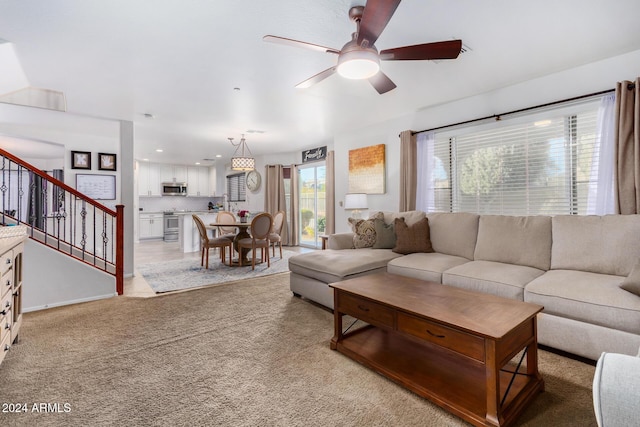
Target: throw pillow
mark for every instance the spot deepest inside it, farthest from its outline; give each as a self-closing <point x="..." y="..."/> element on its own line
<point x="412" y="239"/>
<point x="364" y="232"/>
<point x="385" y="235"/>
<point x="632" y="282"/>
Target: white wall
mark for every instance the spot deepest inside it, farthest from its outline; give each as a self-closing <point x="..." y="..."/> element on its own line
<point x="52" y="279"/>
<point x="594" y="77"/>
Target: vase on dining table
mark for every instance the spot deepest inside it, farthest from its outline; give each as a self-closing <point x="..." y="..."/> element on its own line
<point x="243" y="219"/>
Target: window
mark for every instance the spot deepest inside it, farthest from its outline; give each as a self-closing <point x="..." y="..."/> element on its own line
<point x="236" y="187"/>
<point x="538" y="164"/>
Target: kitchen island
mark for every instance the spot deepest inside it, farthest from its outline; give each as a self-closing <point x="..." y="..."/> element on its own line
<point x="188" y="235"/>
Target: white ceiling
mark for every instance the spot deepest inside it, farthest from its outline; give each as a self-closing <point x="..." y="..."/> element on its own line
<point x="180" y="61"/>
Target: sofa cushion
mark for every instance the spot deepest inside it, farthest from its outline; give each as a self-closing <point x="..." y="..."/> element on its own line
<point x="600" y="244"/>
<point x="364" y="232"/>
<point x="385" y="235"/>
<point x="504" y="280"/>
<point x="330" y="265"/>
<point x="520" y="240"/>
<point x="454" y="233"/>
<point x="424" y="266"/>
<point x="412" y="239"/>
<point x="632" y="282"/>
<point x="410" y="217"/>
<point x="587" y="297"/>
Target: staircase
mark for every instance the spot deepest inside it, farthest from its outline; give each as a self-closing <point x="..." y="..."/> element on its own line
<point x="62" y="218"/>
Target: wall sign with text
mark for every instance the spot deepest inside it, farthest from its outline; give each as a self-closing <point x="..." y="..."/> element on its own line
<point x="315" y="154"/>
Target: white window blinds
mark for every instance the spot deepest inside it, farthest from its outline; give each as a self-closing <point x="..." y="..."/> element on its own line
<point x="537" y="165"/>
<point x="236" y="187"/>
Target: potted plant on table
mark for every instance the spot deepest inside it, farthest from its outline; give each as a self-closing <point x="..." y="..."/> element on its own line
<point x="243" y="214"/>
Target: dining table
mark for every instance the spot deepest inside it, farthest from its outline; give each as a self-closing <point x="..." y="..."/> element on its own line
<point x="242" y="234"/>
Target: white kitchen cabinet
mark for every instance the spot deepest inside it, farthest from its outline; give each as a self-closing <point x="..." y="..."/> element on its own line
<point x="148" y="179"/>
<point x="150" y="226"/>
<point x="198" y="181"/>
<point x="173" y="173"/>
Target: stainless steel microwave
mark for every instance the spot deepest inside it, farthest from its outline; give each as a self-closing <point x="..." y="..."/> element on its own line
<point x="174" y="188"/>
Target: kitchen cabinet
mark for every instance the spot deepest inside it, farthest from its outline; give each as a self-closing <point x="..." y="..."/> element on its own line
<point x="173" y="173"/>
<point x="198" y="181"/>
<point x="150" y="226"/>
<point x="149" y="179"/>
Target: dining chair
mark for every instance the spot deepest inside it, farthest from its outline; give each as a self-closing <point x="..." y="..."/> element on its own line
<point x="207" y="242"/>
<point x="260" y="229"/>
<point x="275" y="238"/>
<point x="226" y="217"/>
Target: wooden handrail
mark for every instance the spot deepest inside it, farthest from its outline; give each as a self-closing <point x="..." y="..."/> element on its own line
<point x="57" y="182"/>
<point x="117" y="262"/>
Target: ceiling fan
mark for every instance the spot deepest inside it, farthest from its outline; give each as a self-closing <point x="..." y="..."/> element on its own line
<point x="359" y="58"/>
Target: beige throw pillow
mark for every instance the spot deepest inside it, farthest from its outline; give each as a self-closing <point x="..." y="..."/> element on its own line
<point x="632" y="282"/>
<point x="364" y="231"/>
<point x="412" y="239"/>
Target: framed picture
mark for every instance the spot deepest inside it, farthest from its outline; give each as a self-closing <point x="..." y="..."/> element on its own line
<point x="107" y="162"/>
<point x="80" y="160"/>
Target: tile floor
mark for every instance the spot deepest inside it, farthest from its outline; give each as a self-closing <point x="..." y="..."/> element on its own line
<point x="157" y="251"/>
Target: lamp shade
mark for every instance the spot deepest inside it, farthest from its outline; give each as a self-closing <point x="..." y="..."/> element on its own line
<point x="355" y="201"/>
<point x="243" y="163"/>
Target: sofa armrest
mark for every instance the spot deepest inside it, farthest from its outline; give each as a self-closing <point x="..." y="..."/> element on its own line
<point x="341" y="241"/>
<point x="616" y="390"/>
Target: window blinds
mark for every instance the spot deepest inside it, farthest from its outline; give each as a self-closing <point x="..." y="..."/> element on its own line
<point x="236" y="187"/>
<point x="538" y="165"/>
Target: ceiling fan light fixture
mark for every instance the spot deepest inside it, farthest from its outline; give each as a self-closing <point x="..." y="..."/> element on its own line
<point x="358" y="64"/>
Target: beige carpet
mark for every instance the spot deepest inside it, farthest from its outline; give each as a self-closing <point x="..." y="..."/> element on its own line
<point x="243" y="354"/>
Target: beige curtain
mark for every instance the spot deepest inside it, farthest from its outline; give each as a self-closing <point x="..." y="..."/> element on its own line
<point x="408" y="170"/>
<point x="628" y="146"/>
<point x="274" y="198"/>
<point x="330" y="224"/>
<point x="295" y="204"/>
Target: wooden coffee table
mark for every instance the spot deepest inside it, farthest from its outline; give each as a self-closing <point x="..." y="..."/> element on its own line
<point x="452" y="346"/>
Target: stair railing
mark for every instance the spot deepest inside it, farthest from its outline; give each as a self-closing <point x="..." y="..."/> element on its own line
<point x="61" y="217"/>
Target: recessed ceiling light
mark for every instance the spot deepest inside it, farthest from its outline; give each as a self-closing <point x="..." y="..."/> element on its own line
<point x="149" y="116"/>
<point x="146" y="160"/>
<point x="159" y="150"/>
<point x="218" y="155"/>
<point x="197" y="163"/>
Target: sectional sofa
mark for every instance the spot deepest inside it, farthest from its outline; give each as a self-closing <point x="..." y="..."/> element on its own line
<point x="572" y="265"/>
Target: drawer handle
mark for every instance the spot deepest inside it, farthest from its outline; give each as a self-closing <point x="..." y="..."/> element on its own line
<point x="3" y="312"/>
<point x="8" y="282"/>
<point x="435" y="335"/>
<point x="7" y="326"/>
<point x="8" y="260"/>
<point x="363" y="308"/>
<point x="6" y="347"/>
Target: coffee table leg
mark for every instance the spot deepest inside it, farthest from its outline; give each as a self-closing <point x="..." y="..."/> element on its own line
<point x="492" y="373"/>
<point x="337" y="323"/>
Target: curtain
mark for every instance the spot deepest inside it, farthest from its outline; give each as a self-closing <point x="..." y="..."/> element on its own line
<point x="601" y="199"/>
<point x="627" y="130"/>
<point x="293" y="215"/>
<point x="426" y="166"/>
<point x="330" y="224"/>
<point x="274" y="198"/>
<point x="408" y="171"/>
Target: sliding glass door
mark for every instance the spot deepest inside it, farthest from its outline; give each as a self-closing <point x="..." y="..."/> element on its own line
<point x="312" y="197"/>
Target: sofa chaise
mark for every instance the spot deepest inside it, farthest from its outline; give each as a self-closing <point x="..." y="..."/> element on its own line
<point x="572" y="265"/>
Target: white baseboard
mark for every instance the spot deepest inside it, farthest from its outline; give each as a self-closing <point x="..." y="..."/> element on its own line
<point x="63" y="303"/>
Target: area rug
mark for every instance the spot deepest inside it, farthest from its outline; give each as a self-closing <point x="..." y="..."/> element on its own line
<point x="183" y="274"/>
<point x="242" y="354"/>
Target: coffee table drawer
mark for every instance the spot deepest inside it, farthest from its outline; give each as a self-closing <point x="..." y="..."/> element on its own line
<point x="366" y="310"/>
<point x="461" y="342"/>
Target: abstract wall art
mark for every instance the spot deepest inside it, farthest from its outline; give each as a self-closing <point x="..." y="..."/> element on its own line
<point x="367" y="170"/>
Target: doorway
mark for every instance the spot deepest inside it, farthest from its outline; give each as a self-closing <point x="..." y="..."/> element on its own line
<point x="312" y="206"/>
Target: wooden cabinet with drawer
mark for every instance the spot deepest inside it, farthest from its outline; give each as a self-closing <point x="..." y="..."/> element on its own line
<point x="11" y="258"/>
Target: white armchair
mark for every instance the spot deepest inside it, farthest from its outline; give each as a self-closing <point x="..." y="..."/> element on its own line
<point x="616" y="390"/>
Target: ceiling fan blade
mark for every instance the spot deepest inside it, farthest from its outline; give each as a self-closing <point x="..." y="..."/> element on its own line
<point x="382" y="83"/>
<point x="316" y="79"/>
<point x="375" y="18"/>
<point x="296" y="43"/>
<point x="439" y="50"/>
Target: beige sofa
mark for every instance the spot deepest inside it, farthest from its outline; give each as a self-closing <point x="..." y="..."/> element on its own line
<point x="572" y="265"/>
